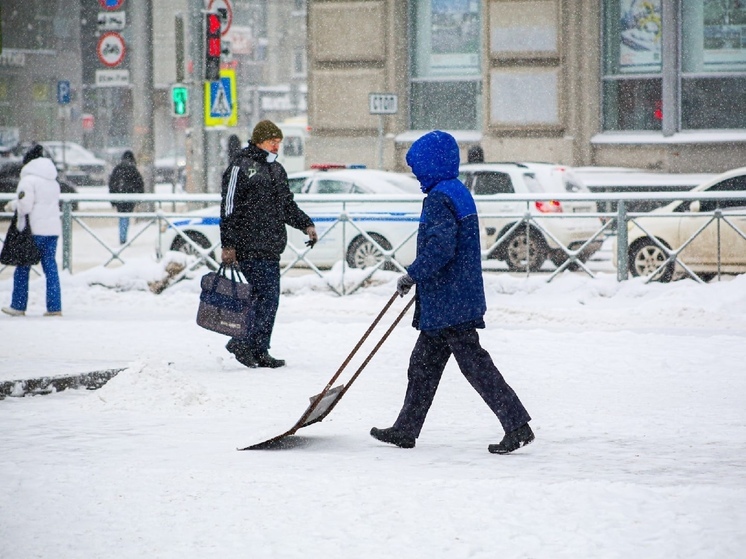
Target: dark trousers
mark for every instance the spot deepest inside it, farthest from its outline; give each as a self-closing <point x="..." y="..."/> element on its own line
<point x="264" y="277"/>
<point x="426" y="365"/>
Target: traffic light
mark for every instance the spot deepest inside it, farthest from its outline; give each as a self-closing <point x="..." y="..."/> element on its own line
<point x="179" y="100"/>
<point x="212" y="47"/>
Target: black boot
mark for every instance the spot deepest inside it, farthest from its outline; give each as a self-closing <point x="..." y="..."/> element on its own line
<point x="264" y="359"/>
<point x="393" y="436"/>
<point x="513" y="440"/>
<point x="242" y="353"/>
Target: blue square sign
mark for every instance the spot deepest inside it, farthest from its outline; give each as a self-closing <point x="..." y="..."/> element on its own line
<point x="63" y="92"/>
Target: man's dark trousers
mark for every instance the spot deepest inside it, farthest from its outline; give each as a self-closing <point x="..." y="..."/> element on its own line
<point x="426" y="364"/>
<point x="264" y="277"/>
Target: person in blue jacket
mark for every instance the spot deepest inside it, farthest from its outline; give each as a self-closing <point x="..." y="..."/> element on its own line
<point x="450" y="302"/>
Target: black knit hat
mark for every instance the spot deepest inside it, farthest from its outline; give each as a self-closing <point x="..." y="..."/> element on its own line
<point x="265" y="130"/>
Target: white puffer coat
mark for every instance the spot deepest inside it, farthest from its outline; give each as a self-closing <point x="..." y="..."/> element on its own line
<point x="39" y="198"/>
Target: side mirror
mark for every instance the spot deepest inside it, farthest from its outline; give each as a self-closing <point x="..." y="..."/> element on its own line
<point x="695" y="206"/>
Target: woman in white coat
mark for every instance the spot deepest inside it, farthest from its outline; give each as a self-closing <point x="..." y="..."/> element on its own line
<point x="38" y="201"/>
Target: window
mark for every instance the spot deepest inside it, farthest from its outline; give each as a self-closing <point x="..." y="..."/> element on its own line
<point x="713" y="64"/>
<point x="703" y="79"/>
<point x="446" y="81"/>
<point x="493" y="183"/>
<point x="330" y="186"/>
<point x="632" y="65"/>
<point x="299" y="61"/>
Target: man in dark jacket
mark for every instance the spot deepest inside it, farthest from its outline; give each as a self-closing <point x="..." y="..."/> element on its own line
<point x="125" y="179"/>
<point x="450" y="302"/>
<point x="256" y="204"/>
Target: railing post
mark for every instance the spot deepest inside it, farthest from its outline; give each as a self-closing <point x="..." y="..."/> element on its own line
<point x="622" y="250"/>
<point x="67" y="236"/>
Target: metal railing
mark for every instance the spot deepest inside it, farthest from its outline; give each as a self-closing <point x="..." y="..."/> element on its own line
<point x="164" y="211"/>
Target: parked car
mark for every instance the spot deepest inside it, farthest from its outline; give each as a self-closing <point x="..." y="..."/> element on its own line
<point x="79" y="166"/>
<point x="170" y="168"/>
<point x="647" y="234"/>
<point x="354" y="181"/>
<point x="10" y="174"/>
<point x="388" y="225"/>
<point x="520" y="250"/>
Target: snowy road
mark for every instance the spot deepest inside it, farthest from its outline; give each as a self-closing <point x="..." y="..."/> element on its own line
<point x="637" y="393"/>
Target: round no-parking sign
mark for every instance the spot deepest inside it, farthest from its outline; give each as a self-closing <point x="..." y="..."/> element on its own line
<point x="111" y="49"/>
<point x="111" y="4"/>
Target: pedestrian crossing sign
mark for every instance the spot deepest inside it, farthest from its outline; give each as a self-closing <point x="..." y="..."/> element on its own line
<point x="221" y="103"/>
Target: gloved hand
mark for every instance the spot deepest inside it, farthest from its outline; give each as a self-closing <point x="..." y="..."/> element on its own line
<point x="228" y="256"/>
<point x="404" y="284"/>
<point x="312" y="236"/>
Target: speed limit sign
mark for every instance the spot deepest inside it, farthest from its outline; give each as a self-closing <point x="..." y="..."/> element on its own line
<point x="111" y="49"/>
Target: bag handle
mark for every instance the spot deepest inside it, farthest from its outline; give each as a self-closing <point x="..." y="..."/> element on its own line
<point x="236" y="278"/>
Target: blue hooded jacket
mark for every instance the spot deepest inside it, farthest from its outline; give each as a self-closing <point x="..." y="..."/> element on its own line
<point x="448" y="266"/>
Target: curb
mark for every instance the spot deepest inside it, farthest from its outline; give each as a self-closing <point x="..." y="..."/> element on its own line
<point x="50" y="385"/>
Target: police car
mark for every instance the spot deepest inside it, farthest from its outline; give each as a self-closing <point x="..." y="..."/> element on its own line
<point x="373" y="215"/>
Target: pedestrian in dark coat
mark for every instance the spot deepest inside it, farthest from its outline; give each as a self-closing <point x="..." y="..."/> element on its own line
<point x="256" y="205"/>
<point x="450" y="302"/>
<point x="125" y="179"/>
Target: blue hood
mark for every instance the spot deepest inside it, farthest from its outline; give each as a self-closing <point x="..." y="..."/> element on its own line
<point x="434" y="158"/>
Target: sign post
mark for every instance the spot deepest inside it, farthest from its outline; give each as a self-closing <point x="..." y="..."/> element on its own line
<point x="63" y="100"/>
<point x="382" y="104"/>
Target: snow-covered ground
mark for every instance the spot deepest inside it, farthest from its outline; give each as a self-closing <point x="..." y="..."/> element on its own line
<point x="638" y="395"/>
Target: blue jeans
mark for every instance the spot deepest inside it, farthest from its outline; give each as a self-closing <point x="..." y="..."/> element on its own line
<point x="48" y="248"/>
<point x="124" y="225"/>
<point x="264" y="277"/>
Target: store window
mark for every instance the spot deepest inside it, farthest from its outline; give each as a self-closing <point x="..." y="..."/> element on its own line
<point x="632" y="65"/>
<point x="705" y="78"/>
<point x="713" y="64"/>
<point x="446" y="80"/>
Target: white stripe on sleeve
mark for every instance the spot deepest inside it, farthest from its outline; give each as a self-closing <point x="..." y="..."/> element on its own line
<point x="231" y="191"/>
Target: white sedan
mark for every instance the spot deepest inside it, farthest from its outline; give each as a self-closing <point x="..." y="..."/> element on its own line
<point x="372" y="219"/>
<point x="690" y="229"/>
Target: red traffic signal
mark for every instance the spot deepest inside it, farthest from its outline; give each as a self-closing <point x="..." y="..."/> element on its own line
<point x="212" y="47"/>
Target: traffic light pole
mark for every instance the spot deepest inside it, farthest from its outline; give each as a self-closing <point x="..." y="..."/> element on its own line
<point x="196" y="160"/>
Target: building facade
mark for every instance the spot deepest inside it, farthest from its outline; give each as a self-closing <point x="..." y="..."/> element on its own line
<point x="657" y="84"/>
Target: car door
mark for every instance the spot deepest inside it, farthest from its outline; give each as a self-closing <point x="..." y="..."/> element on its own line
<point x="326" y="219"/>
<point x="704" y="248"/>
<point x="493" y="215"/>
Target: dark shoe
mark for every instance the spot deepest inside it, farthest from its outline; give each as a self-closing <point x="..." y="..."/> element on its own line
<point x="242" y="353"/>
<point x="513" y="440"/>
<point x="393" y="436"/>
<point x="266" y="360"/>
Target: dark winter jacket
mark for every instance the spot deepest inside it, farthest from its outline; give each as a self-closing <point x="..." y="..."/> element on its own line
<point x="256" y="204"/>
<point x="126" y="179"/>
<point x="448" y="267"/>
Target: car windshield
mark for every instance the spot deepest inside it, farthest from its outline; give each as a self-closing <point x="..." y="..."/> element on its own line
<point x="73" y="152"/>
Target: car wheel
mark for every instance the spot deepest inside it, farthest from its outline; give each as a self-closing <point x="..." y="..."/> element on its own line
<point x="522" y="252"/>
<point x="645" y="257"/>
<point x="364" y="254"/>
<point x="181" y="245"/>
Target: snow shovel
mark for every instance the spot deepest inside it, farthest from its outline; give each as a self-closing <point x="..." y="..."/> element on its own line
<point x="323" y="403"/>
